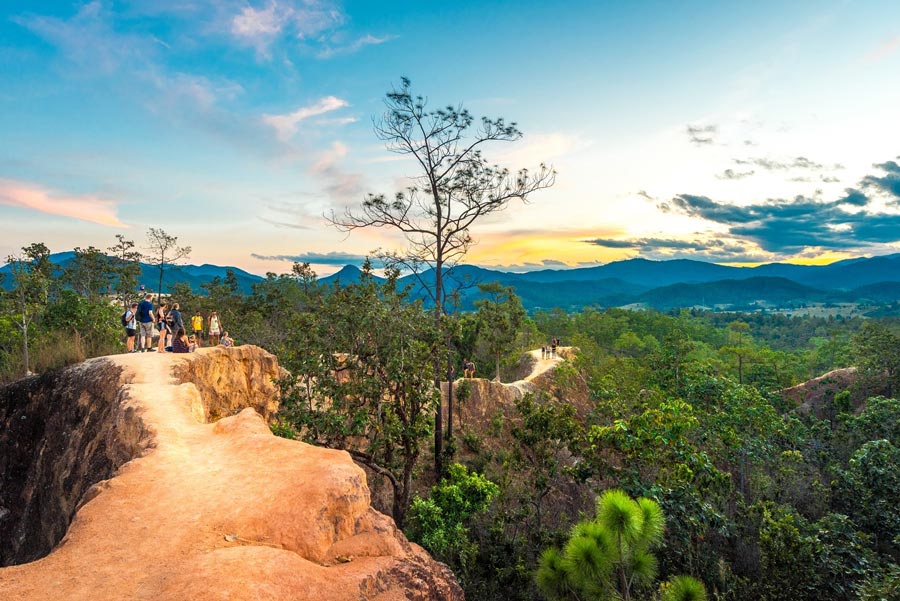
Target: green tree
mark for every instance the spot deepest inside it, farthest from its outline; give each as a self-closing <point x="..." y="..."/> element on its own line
<point x="876" y="349"/>
<point x="363" y="384"/>
<point x="31" y="273"/>
<point x="738" y="345"/>
<point x="456" y="187"/>
<point x="500" y="317"/>
<point x="439" y="523"/>
<point x="163" y="251"/>
<point x="89" y="273"/>
<point x="126" y="268"/>
<point x="608" y="556"/>
<point x="870" y="487"/>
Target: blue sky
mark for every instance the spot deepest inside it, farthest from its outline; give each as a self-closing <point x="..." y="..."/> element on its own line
<point x="731" y="132"/>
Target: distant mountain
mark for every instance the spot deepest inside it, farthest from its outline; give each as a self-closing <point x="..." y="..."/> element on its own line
<point x="749" y="293"/>
<point x="195" y="275"/>
<point x="658" y="284"/>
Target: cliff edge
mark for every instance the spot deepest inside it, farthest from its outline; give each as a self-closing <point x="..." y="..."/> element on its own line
<point x="158" y="500"/>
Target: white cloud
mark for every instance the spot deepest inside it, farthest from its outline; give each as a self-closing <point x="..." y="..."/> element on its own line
<point x="355" y="46"/>
<point x="286" y="125"/>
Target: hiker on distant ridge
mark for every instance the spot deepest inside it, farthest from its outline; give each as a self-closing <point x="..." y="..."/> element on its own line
<point x="469" y="368"/>
<point x="553" y="344"/>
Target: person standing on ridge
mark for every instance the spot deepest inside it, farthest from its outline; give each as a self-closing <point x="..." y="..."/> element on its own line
<point x="129" y="319"/>
<point x="163" y="326"/>
<point x="197" y="326"/>
<point x="146" y="319"/>
<point x="214" y="329"/>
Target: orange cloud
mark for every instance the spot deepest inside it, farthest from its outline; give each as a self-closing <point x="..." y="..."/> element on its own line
<point x="32" y="196"/>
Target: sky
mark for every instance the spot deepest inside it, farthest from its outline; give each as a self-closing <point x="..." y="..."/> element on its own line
<point x="732" y="132"/>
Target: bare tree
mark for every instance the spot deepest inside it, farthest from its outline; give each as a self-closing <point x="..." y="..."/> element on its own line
<point x="456" y="186"/>
<point x="162" y="250"/>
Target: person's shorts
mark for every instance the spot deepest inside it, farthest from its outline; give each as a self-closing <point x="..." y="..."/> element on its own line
<point x="147" y="329"/>
<point x="130" y="332"/>
<point x="160" y="325"/>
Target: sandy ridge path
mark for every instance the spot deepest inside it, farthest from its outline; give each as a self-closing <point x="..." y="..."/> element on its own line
<point x="541" y="367"/>
<point x="216" y="511"/>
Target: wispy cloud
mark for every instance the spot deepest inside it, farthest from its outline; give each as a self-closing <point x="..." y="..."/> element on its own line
<point x="286" y="125"/>
<point x="732" y="174"/>
<point x="702" y="135"/>
<point x="883" y="50"/>
<point x="34" y="197"/>
<point x="797" y="163"/>
<point x="354" y="46"/>
<point x="332" y="258"/>
<point x="701" y="247"/>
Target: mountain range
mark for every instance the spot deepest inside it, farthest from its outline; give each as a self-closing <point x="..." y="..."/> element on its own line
<point x="634" y="282"/>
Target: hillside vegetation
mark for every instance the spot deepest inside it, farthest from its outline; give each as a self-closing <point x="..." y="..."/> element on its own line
<point x="680" y="410"/>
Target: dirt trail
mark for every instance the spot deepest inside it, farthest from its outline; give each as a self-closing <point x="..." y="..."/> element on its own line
<point x="222" y="510"/>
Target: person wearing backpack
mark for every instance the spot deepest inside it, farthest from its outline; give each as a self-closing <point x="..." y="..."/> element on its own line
<point x="129" y="322"/>
<point x="146" y="319"/>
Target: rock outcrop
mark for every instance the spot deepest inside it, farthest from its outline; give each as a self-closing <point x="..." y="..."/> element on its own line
<point x="186" y="507"/>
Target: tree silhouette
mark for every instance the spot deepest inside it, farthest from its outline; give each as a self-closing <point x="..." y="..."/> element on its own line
<point x="456" y="187"/>
<point x="163" y="250"/>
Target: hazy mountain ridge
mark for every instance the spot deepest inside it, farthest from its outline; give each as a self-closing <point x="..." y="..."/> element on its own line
<point x="657" y="284"/>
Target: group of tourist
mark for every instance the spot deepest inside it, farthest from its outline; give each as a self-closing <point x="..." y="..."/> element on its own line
<point x="143" y="323"/>
<point x="548" y="351"/>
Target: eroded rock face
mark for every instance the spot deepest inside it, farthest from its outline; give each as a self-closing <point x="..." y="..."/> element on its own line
<point x="59" y="434"/>
<point x="224" y="510"/>
<point x="230" y="380"/>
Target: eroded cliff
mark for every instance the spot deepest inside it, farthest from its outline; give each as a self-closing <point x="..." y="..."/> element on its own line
<point x="187" y="507"/>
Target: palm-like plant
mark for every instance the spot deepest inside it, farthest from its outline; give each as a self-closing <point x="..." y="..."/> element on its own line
<point x="607" y="556"/>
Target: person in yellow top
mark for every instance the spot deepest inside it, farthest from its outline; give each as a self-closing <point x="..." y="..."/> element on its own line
<point x="197" y="326"/>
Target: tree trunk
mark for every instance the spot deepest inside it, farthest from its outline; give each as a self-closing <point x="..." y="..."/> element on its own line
<point x="497" y="377"/>
<point x="449" y="398"/>
<point x="25" y="344"/>
<point x="438" y="414"/>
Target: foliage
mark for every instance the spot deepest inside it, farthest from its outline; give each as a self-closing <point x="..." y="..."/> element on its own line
<point x="609" y="556"/>
<point x="869" y="489"/>
<point x="876" y="349"/>
<point x="439" y="523"/>
<point x="500" y="318"/>
<point x="361" y="380"/>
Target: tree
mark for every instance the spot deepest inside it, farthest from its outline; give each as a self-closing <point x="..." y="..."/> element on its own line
<point x="163" y="250"/>
<point x="361" y="381"/>
<point x="455" y="188"/>
<point x="125" y="265"/>
<point x="500" y="316"/>
<point x="877" y="352"/>
<point x="439" y="523"/>
<point x="737" y="345"/>
<point x="31" y="273"/>
<point x="89" y="273"/>
<point x="607" y="557"/>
